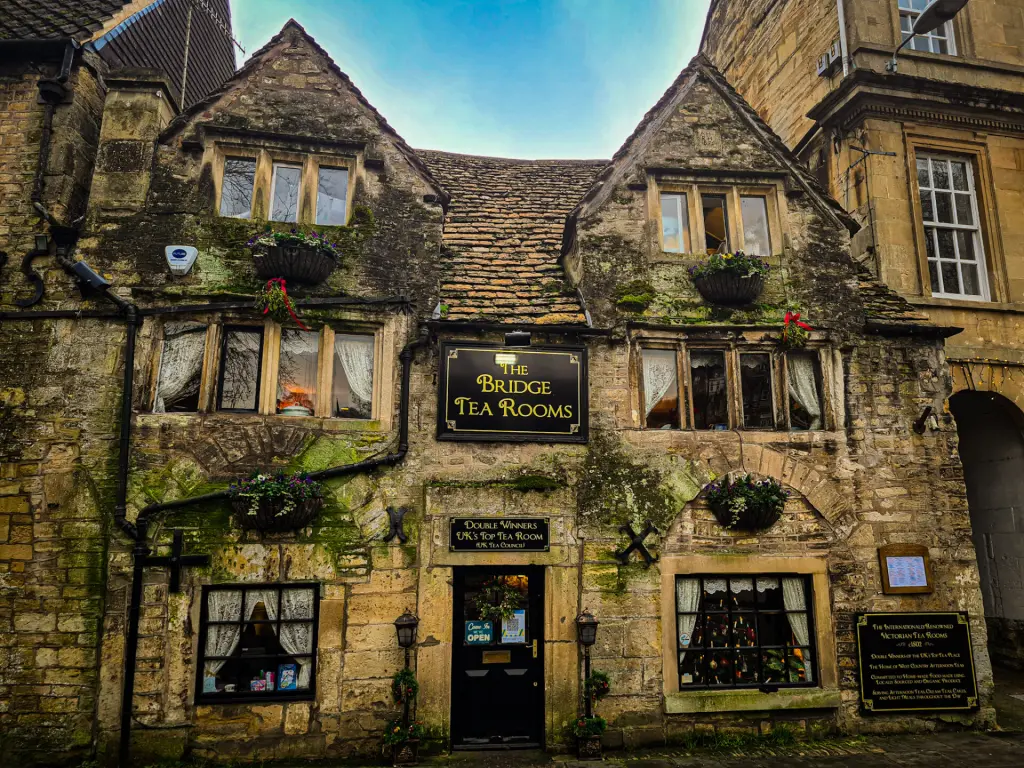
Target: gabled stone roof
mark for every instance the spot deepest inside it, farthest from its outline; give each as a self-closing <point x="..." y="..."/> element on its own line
<point x="80" y="19"/>
<point x="503" y="236"/>
<point x="701" y="65"/>
<point x="257" y="59"/>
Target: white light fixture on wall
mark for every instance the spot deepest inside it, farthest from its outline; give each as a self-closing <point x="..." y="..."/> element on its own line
<point x="180" y="258"/>
<point x="937" y="13"/>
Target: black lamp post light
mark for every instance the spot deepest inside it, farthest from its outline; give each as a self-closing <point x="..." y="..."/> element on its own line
<point x="588" y="743"/>
<point x="405" y="629"/>
<point x="935" y="14"/>
<point x="586" y="633"/>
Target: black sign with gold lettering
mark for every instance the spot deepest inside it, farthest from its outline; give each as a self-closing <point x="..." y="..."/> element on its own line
<point x="915" y="662"/>
<point x="537" y="394"/>
<point x="498" y="534"/>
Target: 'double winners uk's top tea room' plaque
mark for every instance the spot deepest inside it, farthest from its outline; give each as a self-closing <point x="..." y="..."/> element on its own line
<point x="915" y="662"/>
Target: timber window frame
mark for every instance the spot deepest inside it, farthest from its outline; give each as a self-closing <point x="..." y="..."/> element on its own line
<point x="687" y="201"/>
<point x="824" y="694"/>
<point x="784" y="394"/>
<point x="312" y="167"/>
<point x="945" y="238"/>
<point x="249" y="628"/>
<point x="336" y="382"/>
<point x="722" y="645"/>
<point x="930" y="42"/>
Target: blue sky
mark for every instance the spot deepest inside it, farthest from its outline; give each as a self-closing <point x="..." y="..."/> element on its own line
<point x="511" y="78"/>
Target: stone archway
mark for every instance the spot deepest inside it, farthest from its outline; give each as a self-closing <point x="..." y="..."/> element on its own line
<point x="821" y="492"/>
<point x="991" y="430"/>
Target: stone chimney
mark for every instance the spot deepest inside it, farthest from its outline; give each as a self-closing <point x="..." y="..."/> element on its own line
<point x="139" y="105"/>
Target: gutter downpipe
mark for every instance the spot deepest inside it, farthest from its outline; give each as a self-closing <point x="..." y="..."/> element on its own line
<point x="842" y="37"/>
<point x="140" y="534"/>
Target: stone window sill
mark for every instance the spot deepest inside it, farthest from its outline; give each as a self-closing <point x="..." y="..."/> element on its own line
<point x="978" y="306"/>
<point x="687" y="702"/>
<point x="328" y="424"/>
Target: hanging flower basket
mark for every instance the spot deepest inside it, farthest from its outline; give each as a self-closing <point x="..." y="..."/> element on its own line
<point x="746" y="504"/>
<point x="301" y="257"/>
<point x="730" y="279"/>
<point x="276" y="502"/>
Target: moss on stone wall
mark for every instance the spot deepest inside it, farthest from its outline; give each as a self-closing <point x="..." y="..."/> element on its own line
<point x="615" y="489"/>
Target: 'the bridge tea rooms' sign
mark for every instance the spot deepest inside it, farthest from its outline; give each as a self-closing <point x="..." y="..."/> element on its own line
<point x="504" y="393"/>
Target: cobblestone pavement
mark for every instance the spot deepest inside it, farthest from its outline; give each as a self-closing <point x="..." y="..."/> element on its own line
<point x="946" y="750"/>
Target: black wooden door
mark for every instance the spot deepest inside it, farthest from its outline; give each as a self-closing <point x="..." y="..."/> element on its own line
<point x="498" y="658"/>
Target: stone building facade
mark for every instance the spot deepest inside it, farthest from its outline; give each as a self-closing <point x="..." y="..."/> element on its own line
<point x="54" y="83"/>
<point x="449" y="259"/>
<point x="872" y="137"/>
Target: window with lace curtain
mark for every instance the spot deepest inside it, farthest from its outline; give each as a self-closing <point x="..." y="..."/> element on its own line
<point x="180" y="374"/>
<point x="744" y="631"/>
<point x="730" y="388"/>
<point x="267" y="370"/>
<point x="257" y="641"/>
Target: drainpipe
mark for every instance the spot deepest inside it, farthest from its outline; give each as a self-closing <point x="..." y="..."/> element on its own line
<point x="842" y="37"/>
<point x="52" y="92"/>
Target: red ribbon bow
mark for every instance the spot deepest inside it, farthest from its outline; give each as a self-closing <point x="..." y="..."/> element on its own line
<point x="794" y="317"/>
<point x="279" y="281"/>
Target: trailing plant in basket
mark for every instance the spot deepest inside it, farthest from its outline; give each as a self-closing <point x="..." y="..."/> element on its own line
<point x="290" y="489"/>
<point x="295" y="238"/>
<point x="586" y="727"/>
<point x="395" y="733"/>
<point x="404" y="686"/>
<point x="738" y="264"/>
<point x="597" y="686"/>
<point x="746" y="503"/>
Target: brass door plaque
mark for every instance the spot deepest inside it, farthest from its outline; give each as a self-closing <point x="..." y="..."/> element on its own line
<point x="497" y="657"/>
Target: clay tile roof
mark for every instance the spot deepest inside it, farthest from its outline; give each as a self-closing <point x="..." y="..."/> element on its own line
<point x="503" y="236"/>
<point x="79" y="19"/>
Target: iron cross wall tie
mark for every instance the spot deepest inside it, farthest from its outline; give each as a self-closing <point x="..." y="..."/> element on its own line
<point x="395" y="518"/>
<point x="176" y="561"/>
<point x="637" y="544"/>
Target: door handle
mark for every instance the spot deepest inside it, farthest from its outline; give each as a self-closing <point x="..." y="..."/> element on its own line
<point x="535" y="649"/>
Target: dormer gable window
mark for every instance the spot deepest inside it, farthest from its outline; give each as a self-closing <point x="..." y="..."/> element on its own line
<point x="289" y="187"/>
<point x="699" y="219"/>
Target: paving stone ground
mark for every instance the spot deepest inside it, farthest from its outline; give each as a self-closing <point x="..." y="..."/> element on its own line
<point x="946" y="750"/>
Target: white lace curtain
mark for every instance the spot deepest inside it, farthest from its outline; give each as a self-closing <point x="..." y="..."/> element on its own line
<point x="803" y="386"/>
<point x="294" y="638"/>
<point x="714" y="586"/>
<point x="659" y="377"/>
<point x="356" y="356"/>
<point x="222" y="639"/>
<point x="181" y="363"/>
<point x="794" y="599"/>
<point x="687" y="599"/>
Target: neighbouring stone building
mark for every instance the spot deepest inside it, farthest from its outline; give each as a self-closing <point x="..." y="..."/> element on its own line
<point x="898" y="149"/>
<point x="58" y="61"/>
<point x="460" y="275"/>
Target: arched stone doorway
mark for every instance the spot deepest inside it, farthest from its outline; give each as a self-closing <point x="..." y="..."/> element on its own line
<point x="991" y="430"/>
